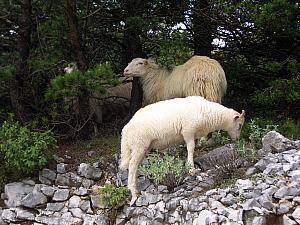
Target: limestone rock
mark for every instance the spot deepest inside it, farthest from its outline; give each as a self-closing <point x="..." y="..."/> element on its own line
<point x="15" y="192"/>
<point x="274" y="142"/>
<point x="55" y="206"/>
<point x="61" y="195"/>
<point x="61" y="168"/>
<point x="296" y="214"/>
<point x="47" y="176"/>
<point x="9" y="215"/>
<point x="88" y="171"/>
<point x="23" y="214"/>
<point x="34" y="199"/>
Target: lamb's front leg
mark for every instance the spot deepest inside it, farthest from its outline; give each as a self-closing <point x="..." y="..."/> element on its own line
<point x="190" y="145"/>
<point x="135" y="160"/>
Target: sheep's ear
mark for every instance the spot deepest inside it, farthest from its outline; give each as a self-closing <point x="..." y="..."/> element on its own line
<point x="236" y="117"/>
<point x="243" y="114"/>
<point x="146" y="62"/>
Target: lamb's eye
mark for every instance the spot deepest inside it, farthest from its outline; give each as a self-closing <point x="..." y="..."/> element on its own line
<point x="140" y="63"/>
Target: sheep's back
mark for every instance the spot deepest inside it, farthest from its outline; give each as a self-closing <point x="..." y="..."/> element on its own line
<point x="200" y="76"/>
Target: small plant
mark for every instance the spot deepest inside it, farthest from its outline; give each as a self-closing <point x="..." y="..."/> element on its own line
<point x="168" y="171"/>
<point x="22" y="149"/>
<point x="220" y="138"/>
<point x="112" y="196"/>
<point x="250" y="141"/>
<point x="257" y="133"/>
<point x="245" y="152"/>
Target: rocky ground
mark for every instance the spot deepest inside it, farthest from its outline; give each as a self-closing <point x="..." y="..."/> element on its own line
<point x="271" y="195"/>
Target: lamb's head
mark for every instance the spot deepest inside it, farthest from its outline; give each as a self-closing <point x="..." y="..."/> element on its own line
<point x="71" y="67"/>
<point x="235" y="125"/>
<point x="136" y="68"/>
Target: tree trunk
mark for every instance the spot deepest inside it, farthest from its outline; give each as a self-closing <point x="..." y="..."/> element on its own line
<point x="202" y="28"/>
<point x="17" y="82"/>
<point x="74" y="35"/>
<point x="85" y="117"/>
<point x="133" y="49"/>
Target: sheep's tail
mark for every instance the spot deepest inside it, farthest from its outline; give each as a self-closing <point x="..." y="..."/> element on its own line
<point x="125" y="154"/>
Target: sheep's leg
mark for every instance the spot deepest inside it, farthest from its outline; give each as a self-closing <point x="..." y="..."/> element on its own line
<point x="190" y="145"/>
<point x="135" y="160"/>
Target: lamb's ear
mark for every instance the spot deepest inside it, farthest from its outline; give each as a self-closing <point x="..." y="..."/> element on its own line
<point x="146" y="62"/>
<point x="243" y="114"/>
<point x="236" y="117"/>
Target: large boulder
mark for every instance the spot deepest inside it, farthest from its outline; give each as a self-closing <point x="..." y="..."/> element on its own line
<point x="219" y="156"/>
<point x="274" y="142"/>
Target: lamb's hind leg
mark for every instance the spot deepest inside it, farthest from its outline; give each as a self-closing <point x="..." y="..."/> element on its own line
<point x="135" y="160"/>
<point x="190" y="145"/>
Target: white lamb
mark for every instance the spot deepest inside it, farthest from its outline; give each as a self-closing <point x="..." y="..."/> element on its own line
<point x="169" y="122"/>
<point x="200" y="75"/>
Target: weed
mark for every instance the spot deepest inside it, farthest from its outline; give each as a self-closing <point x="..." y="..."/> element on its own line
<point x="112" y="196"/>
<point x="168" y="170"/>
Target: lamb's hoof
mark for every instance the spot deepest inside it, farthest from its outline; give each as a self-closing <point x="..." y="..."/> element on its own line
<point x="133" y="201"/>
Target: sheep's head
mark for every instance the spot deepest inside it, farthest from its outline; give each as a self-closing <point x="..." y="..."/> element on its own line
<point x="236" y="124"/>
<point x="71" y="67"/>
<point x="136" y="68"/>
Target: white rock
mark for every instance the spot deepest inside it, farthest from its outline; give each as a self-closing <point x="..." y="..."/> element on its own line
<point x="160" y="206"/>
<point x="296" y="214"/>
<point x="250" y="204"/>
<point x="76" y="212"/>
<point x="297" y="200"/>
<point x="203" y="217"/>
<point x="55" y="206"/>
<point x="74" y="201"/>
<point x="9" y="215"/>
<point x="243" y="184"/>
<point x="287" y="167"/>
<point x="287" y="192"/>
<point x="287" y="221"/>
<point x="235" y="214"/>
<point x="14" y="192"/>
<point x="259" y="220"/>
<point x="61" y="195"/>
<point x="284" y="207"/>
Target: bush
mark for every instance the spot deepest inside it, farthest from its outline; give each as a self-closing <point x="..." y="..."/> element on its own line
<point x="220" y="138"/>
<point x="22" y="149"/>
<point x="113" y="196"/>
<point x="75" y="83"/>
<point x="168" y="171"/>
<point x="256" y="132"/>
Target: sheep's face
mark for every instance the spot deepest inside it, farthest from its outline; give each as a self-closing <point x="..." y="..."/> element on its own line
<point x="70" y="68"/>
<point x="136" y="68"/>
<point x="236" y="126"/>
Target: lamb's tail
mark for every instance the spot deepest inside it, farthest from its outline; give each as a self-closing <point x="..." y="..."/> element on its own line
<point x="125" y="154"/>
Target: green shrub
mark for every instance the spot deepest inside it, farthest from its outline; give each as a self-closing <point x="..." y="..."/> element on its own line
<point x="257" y="132"/>
<point x="113" y="196"/>
<point x="22" y="149"/>
<point x="168" y="170"/>
<point x="75" y="83"/>
<point x="220" y="138"/>
<point x="251" y="138"/>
